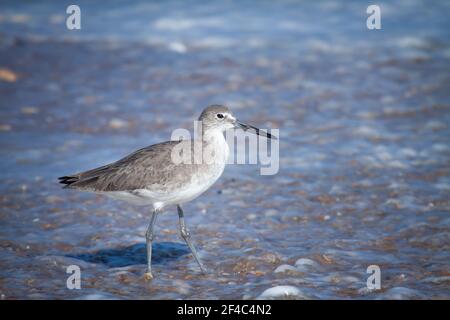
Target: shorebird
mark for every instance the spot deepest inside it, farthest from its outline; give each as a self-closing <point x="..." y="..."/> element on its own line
<point x="153" y="177"/>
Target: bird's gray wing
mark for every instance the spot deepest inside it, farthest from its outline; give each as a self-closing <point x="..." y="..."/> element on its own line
<point x="149" y="166"/>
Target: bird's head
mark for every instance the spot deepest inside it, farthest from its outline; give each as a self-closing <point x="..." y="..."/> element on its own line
<point x="218" y="117"/>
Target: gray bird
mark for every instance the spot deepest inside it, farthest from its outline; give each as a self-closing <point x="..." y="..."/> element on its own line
<point x="167" y="173"/>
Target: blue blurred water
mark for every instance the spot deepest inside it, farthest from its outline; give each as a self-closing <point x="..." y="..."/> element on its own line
<point x="229" y="24"/>
<point x="364" y="146"/>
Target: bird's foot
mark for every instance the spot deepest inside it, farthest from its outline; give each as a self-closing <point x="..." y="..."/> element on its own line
<point x="148" y="276"/>
<point x="204" y="270"/>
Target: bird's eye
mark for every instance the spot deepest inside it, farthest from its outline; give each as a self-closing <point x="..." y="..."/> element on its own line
<point x="220" y="116"/>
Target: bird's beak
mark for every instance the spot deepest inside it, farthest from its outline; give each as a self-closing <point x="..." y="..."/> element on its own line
<point x="259" y="132"/>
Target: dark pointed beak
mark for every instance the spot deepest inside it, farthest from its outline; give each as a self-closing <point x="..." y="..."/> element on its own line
<point x="259" y="132"/>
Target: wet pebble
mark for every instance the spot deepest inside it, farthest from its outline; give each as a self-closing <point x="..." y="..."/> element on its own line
<point x="118" y="124"/>
<point x="285" y="268"/>
<point x="282" y="293"/>
<point x="8" y="75"/>
<point x="303" y="264"/>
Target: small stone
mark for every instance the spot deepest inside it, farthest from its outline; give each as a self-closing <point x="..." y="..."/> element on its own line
<point x="8" y="75"/>
<point x="270" y="257"/>
<point x="280" y="292"/>
<point x="118" y="124"/>
<point x="327" y="259"/>
<point x="29" y="110"/>
<point x="285" y="268"/>
<point x="306" y="262"/>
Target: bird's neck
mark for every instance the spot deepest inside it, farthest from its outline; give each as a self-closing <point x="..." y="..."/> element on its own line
<point x="212" y="135"/>
<point x="214" y="141"/>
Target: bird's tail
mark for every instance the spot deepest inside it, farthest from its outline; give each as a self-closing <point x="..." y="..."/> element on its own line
<point x="68" y="180"/>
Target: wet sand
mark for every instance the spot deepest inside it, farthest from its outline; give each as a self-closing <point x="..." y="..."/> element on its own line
<point x="364" y="150"/>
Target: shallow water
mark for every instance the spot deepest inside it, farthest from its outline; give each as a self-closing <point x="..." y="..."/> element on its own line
<point x="364" y="148"/>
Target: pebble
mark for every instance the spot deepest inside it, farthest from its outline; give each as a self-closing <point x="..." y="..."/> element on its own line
<point x="306" y="262"/>
<point x="282" y="292"/>
<point x="29" y="110"/>
<point x="117" y="124"/>
<point x="284" y="268"/>
<point x="8" y="75"/>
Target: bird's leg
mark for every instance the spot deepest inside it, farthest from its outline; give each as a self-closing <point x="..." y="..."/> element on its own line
<point x="149" y="238"/>
<point x="187" y="238"/>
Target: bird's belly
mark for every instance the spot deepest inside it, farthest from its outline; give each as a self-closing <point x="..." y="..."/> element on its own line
<point x="198" y="184"/>
<point x="176" y="195"/>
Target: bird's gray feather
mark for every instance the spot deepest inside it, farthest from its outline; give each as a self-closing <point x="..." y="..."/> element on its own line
<point x="150" y="168"/>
